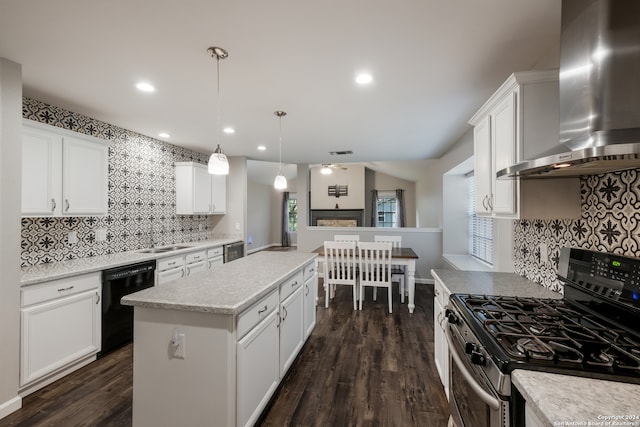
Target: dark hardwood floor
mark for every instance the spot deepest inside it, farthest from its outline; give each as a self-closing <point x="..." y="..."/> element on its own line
<point x="365" y="368"/>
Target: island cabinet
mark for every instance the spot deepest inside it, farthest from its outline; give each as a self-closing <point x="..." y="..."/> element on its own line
<point x="63" y="172"/>
<point x="212" y="355"/>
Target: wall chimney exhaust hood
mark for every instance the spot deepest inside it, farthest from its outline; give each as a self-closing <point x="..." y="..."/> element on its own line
<point x="599" y="93"/>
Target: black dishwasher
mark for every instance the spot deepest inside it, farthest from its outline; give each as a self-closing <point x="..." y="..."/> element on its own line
<point x="117" y="319"/>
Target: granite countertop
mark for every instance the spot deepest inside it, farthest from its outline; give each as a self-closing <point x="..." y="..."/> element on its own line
<point x="487" y="283"/>
<point x="564" y="400"/>
<point x="558" y="400"/>
<point x="59" y="270"/>
<point x="228" y="288"/>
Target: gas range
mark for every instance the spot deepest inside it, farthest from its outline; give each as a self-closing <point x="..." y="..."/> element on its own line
<point x="594" y="331"/>
<point x="551" y="335"/>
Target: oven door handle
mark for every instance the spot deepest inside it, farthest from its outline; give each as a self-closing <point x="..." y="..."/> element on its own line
<point x="486" y="397"/>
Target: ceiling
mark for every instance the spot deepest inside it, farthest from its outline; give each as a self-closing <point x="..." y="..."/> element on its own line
<point x="434" y="63"/>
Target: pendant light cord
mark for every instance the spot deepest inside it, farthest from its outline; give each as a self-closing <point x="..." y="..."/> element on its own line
<point x="218" y="102"/>
<point x="280" y="155"/>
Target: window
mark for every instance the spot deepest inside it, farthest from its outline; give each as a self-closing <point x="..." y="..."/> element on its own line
<point x="480" y="229"/>
<point x="387" y="208"/>
<point x="292" y="209"/>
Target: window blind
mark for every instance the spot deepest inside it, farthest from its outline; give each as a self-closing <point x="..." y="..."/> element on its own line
<point x="480" y="228"/>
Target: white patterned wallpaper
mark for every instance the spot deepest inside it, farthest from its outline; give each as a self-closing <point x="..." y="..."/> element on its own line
<point x="610" y="222"/>
<point x="141" y="194"/>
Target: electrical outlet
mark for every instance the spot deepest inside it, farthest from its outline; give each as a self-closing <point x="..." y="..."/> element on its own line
<point x="101" y="235"/>
<point x="544" y="253"/>
<point x="72" y="238"/>
<point x="178" y="343"/>
<point x="200" y="227"/>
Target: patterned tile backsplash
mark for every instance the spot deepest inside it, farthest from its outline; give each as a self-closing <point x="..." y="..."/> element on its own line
<point x="141" y="195"/>
<point x="610" y="222"/>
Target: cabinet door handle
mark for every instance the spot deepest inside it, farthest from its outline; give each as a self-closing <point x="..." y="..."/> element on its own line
<point x="171" y="263"/>
<point x="213" y="208"/>
<point x="182" y="273"/>
<point x="294" y="284"/>
<point x="262" y="310"/>
<point x="196" y="257"/>
<point x="285" y="313"/>
<point x="98" y="298"/>
<point x="490" y="202"/>
<point x="53" y="205"/>
<point x="484" y="203"/>
<point x="66" y="205"/>
<point x="188" y="270"/>
<point x="65" y="289"/>
<point x="279" y="320"/>
<point x="306" y="287"/>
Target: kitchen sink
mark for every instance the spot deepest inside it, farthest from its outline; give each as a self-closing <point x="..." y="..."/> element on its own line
<point x="163" y="249"/>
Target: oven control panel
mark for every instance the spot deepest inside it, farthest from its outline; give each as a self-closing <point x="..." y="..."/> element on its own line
<point x="609" y="276"/>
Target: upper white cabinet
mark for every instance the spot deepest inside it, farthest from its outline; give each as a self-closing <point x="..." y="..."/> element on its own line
<point x="518" y="122"/>
<point x="198" y="192"/>
<point x="63" y="172"/>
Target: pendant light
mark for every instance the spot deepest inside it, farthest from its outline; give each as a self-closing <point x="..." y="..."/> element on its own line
<point x="218" y="163"/>
<point x="280" y="183"/>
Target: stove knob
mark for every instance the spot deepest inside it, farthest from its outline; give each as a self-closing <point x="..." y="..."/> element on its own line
<point x="470" y="347"/>
<point x="478" y="358"/>
<point x="451" y="316"/>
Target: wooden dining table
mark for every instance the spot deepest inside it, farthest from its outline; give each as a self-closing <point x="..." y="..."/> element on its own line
<point x="405" y="257"/>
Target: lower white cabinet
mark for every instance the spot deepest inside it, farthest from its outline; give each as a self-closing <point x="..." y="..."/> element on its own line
<point x="441" y="348"/>
<point x="531" y="419"/>
<point x="310" y="296"/>
<point x="195" y="262"/>
<point x="258" y="369"/>
<point x="60" y="325"/>
<point x="169" y="269"/>
<point x="291" y="329"/>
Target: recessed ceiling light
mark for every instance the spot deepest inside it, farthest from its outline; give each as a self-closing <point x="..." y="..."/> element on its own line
<point x="229" y="130"/>
<point x="164" y="135"/>
<point x="261" y="147"/>
<point x="145" y="87"/>
<point x="364" y="78"/>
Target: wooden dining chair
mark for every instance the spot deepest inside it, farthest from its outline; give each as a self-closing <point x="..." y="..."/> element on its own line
<point x="374" y="259"/>
<point x="339" y="269"/>
<point x="397" y="272"/>
<point x="346" y="237"/>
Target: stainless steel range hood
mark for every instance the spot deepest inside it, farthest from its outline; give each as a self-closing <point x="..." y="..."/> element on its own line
<point x="599" y="92"/>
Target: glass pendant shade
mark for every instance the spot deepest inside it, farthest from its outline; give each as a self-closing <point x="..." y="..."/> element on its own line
<point x="218" y="163"/>
<point x="280" y="183"/>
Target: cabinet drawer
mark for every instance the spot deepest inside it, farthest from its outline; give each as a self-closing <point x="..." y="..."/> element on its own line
<point x="258" y="311"/>
<point x="215" y="252"/>
<point x="290" y="285"/>
<point x="171" y="262"/>
<point x="309" y="271"/>
<point x="170" y="274"/>
<point x="59" y="288"/>
<point x="195" y="257"/>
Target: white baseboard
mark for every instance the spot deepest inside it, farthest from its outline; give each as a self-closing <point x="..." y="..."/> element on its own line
<point x="10" y="406"/>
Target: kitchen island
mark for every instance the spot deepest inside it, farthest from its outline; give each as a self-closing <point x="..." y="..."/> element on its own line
<point x="211" y="349"/>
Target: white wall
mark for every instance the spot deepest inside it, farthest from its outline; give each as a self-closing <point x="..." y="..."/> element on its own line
<point x="383" y="182"/>
<point x="234" y="223"/>
<point x="10" y="180"/>
<point x="259" y="221"/>
<point x="353" y="176"/>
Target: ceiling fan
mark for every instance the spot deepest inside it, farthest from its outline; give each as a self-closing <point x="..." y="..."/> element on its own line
<point x="327" y="168"/>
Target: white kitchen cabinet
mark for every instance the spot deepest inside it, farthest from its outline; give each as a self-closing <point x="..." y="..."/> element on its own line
<point x="198" y="192"/>
<point x="441" y="348"/>
<point x="215" y="256"/>
<point x="531" y="419"/>
<point x="170" y="268"/>
<point x="63" y="172"/>
<point x="518" y="122"/>
<point x="310" y="295"/>
<point x="291" y="329"/>
<point x="60" y="326"/>
<point x="257" y="366"/>
<point x="195" y="262"/>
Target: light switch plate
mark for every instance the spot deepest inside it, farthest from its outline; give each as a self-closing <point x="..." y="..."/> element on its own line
<point x="73" y="237"/>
